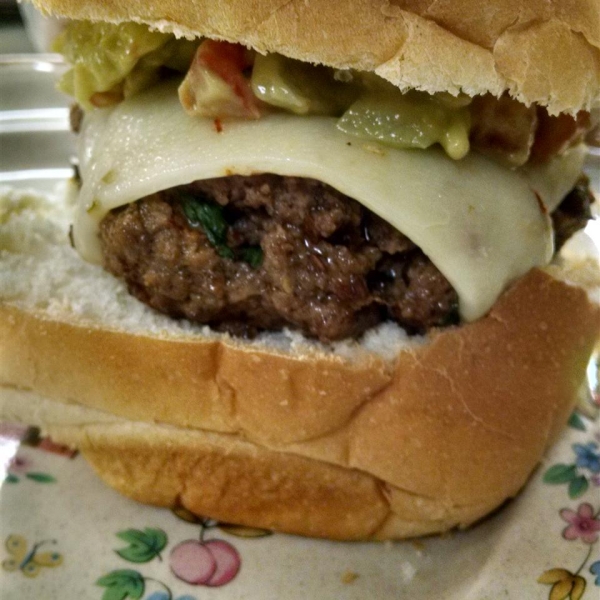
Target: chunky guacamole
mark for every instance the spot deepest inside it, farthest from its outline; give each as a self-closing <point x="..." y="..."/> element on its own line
<point x="112" y="62"/>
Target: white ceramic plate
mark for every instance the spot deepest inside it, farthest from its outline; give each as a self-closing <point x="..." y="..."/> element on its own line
<point x="65" y="536"/>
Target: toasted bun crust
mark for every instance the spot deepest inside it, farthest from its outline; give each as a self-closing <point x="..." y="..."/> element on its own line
<point x="317" y="444"/>
<point x="231" y="479"/>
<point x="538" y="51"/>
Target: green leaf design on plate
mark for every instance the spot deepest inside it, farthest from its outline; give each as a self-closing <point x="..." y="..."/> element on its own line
<point x="10" y="478"/>
<point x="576" y="422"/>
<point x="578" y="487"/>
<point x="122" y="584"/>
<point x="244" y="532"/>
<point x="143" y="545"/>
<point x="560" y="474"/>
<point x="41" y="477"/>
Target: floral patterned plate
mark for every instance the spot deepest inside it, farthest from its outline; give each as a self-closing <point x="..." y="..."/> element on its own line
<point x="65" y="536"/>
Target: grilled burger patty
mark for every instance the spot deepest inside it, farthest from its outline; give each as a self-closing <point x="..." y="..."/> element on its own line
<point x="263" y="252"/>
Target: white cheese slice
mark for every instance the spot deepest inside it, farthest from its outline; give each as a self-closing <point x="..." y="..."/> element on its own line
<point x="554" y="179"/>
<point x="479" y="223"/>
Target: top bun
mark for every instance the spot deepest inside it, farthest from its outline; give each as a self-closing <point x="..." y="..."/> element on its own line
<point x="538" y="51"/>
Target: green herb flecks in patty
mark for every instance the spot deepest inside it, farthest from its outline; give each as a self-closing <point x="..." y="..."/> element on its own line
<point x="208" y="216"/>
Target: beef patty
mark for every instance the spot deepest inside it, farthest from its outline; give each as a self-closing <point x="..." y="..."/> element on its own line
<point x="265" y="252"/>
<point x="246" y="254"/>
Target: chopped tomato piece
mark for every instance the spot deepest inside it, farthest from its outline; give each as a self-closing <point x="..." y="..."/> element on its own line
<point x="216" y="85"/>
<point x="554" y="135"/>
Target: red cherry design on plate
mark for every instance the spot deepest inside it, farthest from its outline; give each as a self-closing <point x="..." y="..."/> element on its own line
<point x="192" y="562"/>
<point x="227" y="559"/>
<point x="212" y="563"/>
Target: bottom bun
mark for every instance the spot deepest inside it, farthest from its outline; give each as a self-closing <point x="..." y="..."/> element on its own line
<point x="232" y="480"/>
<point x="457" y="428"/>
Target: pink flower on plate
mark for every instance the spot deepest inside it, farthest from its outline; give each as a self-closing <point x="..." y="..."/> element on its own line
<point x="582" y="524"/>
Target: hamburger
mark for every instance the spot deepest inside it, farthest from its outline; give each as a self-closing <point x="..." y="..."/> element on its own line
<point x="309" y="280"/>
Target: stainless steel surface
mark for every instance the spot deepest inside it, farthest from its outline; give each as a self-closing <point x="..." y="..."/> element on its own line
<point x="36" y="144"/>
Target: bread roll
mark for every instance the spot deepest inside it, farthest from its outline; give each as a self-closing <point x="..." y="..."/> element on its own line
<point x="384" y="438"/>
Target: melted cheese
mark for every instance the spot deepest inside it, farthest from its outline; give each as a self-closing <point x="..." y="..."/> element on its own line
<point x="479" y="223"/>
<point x="554" y="180"/>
